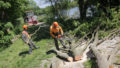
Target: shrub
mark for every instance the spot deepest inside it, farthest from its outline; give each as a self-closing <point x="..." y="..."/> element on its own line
<point x="6" y="34"/>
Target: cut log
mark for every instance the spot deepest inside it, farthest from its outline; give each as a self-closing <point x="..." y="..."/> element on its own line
<point x="77" y="52"/>
<point x="56" y="63"/>
<point x="64" y="55"/>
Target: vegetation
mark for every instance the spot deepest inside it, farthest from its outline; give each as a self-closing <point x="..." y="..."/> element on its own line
<point x="105" y="14"/>
<point x="16" y="56"/>
<point x="90" y="63"/>
<point x="10" y="12"/>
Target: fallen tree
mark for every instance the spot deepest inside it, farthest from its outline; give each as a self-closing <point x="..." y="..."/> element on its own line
<point x="104" y="54"/>
<point x="75" y="49"/>
<point x="106" y="57"/>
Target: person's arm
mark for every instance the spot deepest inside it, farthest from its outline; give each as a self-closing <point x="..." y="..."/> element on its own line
<point x="51" y="33"/>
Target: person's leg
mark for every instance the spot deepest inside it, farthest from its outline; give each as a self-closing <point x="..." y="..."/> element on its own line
<point x="30" y="48"/>
<point x="33" y="44"/>
<point x="63" y="44"/>
<point x="56" y="44"/>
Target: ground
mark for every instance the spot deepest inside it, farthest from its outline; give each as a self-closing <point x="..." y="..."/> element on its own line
<point x="16" y="55"/>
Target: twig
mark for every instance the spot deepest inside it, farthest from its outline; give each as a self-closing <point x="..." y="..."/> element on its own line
<point x="110" y="35"/>
<point x="38" y="29"/>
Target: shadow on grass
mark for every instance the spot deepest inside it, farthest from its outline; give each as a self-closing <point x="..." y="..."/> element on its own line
<point x="53" y="51"/>
<point x="24" y="53"/>
<point x="50" y="52"/>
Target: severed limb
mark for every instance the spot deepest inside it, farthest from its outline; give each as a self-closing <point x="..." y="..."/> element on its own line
<point x="63" y="55"/>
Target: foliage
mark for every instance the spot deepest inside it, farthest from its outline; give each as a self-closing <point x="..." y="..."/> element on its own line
<point x="10" y="11"/>
<point x="91" y="63"/>
<point x="88" y="64"/>
<point x="6" y="33"/>
<point x="19" y="23"/>
<point x="4" y="4"/>
<point x="58" y="6"/>
<point x="106" y="14"/>
<point x="42" y="33"/>
<point x="105" y="23"/>
<point x="82" y="29"/>
<point x="9" y="25"/>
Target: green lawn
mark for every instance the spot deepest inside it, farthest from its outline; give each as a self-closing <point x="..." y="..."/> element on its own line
<point x="90" y="63"/>
<point x="15" y="57"/>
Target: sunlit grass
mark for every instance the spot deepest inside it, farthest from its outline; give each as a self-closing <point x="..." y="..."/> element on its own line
<point x="11" y="58"/>
<point x="90" y="64"/>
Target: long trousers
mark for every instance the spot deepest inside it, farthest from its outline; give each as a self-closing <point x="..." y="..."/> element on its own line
<point x="31" y="44"/>
<point x="56" y="43"/>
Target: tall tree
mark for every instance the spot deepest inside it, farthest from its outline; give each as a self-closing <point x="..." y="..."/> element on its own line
<point x="59" y="5"/>
<point x="11" y="9"/>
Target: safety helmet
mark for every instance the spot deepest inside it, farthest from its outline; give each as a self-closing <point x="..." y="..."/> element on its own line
<point x="25" y="27"/>
<point x="55" y="24"/>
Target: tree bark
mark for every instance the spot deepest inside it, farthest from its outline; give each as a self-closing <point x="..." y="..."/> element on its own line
<point x="64" y="55"/>
<point x="104" y="59"/>
<point x="82" y="8"/>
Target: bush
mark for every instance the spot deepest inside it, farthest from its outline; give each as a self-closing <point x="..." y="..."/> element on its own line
<point x="18" y="27"/>
<point x="82" y="29"/>
<point x="106" y="24"/>
<point x="6" y="34"/>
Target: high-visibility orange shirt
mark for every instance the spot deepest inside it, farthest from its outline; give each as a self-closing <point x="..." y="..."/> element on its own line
<point x="55" y="30"/>
<point x="24" y="32"/>
<point x="25" y="36"/>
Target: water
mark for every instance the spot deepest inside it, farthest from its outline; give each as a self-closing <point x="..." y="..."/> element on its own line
<point x="74" y="12"/>
<point x="71" y="13"/>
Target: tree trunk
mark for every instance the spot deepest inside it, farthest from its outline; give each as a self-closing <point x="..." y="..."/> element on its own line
<point x="64" y="55"/>
<point x="104" y="55"/>
<point x="82" y="9"/>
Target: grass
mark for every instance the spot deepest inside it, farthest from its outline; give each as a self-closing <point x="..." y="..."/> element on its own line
<point x="15" y="57"/>
<point x="90" y="64"/>
<point x="118" y="57"/>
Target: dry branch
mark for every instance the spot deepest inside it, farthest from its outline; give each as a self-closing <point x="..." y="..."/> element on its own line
<point x="112" y="33"/>
<point x="64" y="55"/>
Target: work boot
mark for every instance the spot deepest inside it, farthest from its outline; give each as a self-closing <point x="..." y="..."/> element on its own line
<point x="37" y="47"/>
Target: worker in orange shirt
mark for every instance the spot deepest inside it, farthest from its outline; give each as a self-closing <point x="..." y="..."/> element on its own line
<point x="56" y="32"/>
<point x="27" y="39"/>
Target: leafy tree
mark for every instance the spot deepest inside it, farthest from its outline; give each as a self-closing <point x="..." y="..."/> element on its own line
<point x="10" y="11"/>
